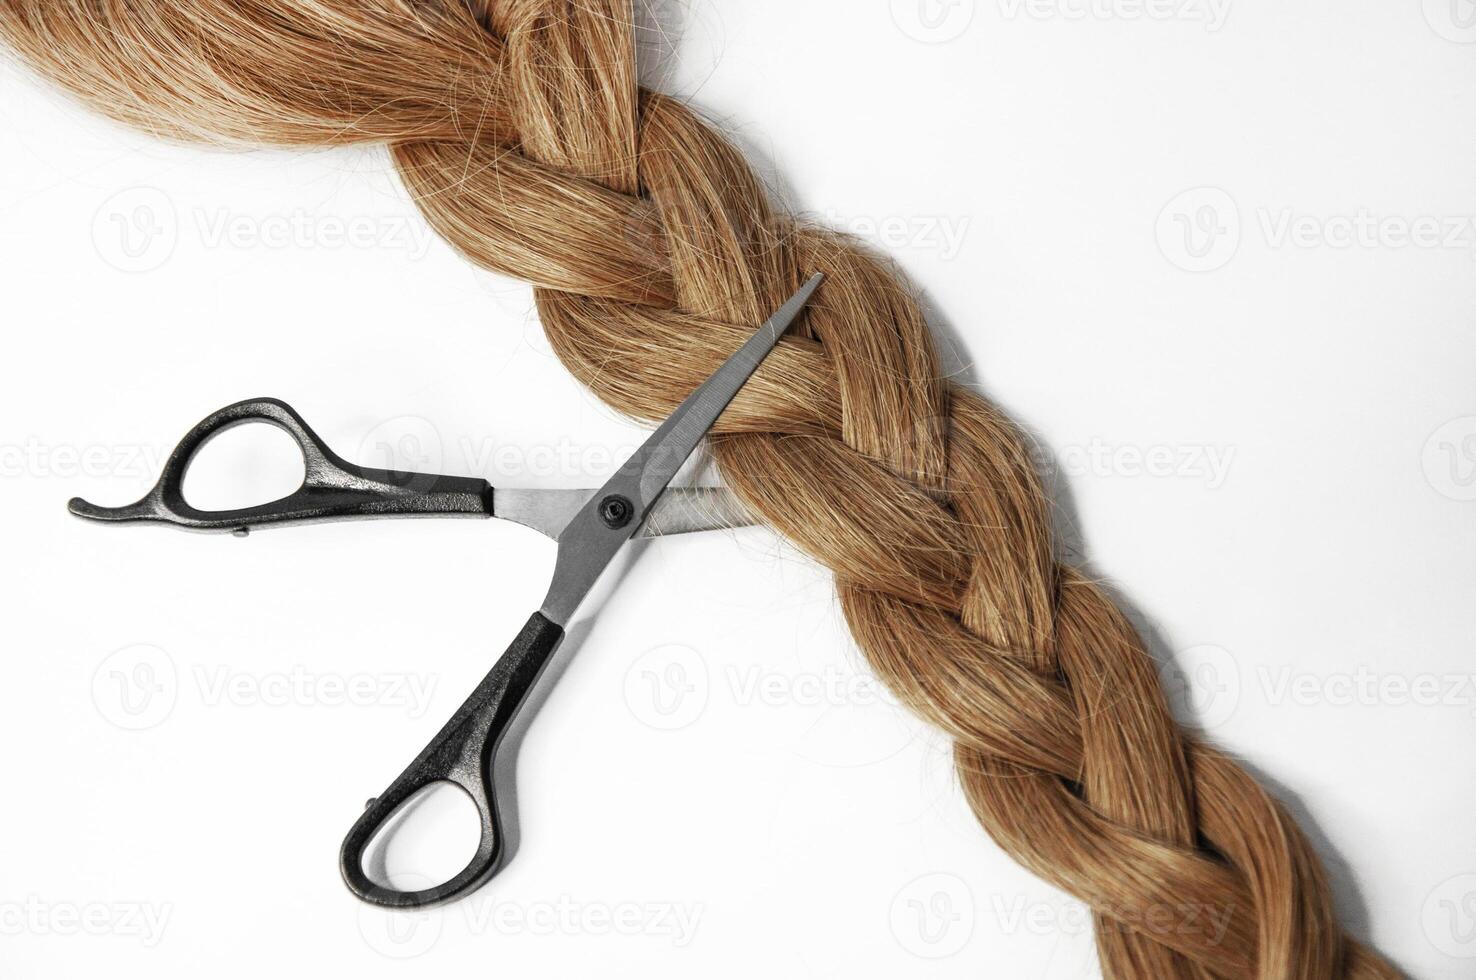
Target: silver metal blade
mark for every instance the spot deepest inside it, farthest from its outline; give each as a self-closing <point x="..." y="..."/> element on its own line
<point x="588" y="543"/>
<point x="681" y="510"/>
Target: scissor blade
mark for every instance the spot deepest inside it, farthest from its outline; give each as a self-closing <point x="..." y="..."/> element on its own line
<point x="680" y="510"/>
<point x="676" y="438"/>
<point x="596" y="532"/>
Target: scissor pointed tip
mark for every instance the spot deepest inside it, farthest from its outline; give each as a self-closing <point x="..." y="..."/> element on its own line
<point x="586" y="544"/>
<point x="792" y="307"/>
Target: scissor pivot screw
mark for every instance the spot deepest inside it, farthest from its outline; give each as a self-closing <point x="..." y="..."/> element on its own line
<point x="616" y="511"/>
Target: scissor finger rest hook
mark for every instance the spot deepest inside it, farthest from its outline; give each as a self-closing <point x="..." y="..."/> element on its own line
<point x="332" y="488"/>
<point x="463" y="753"/>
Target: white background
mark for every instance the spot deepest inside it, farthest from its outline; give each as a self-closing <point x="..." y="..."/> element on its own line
<point x="1218" y="259"/>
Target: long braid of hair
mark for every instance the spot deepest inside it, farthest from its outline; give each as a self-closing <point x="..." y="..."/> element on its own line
<point x="522" y="134"/>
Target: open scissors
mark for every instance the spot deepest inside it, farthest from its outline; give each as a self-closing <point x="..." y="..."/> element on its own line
<point x="590" y="528"/>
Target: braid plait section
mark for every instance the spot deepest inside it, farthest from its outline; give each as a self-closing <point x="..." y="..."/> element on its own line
<point x="523" y="135"/>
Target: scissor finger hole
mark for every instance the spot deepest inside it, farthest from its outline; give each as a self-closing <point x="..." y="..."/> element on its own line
<point x="244" y="466"/>
<point x="429" y="838"/>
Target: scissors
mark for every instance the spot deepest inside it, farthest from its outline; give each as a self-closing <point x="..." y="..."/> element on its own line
<point x="589" y="526"/>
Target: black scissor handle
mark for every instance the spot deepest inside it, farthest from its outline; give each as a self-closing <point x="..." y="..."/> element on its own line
<point x="464" y="753"/>
<point x="332" y="488"/>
